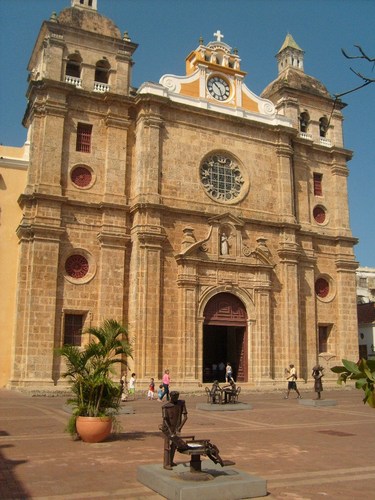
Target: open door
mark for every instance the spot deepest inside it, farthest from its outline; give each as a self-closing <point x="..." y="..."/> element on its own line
<point x="225" y="338"/>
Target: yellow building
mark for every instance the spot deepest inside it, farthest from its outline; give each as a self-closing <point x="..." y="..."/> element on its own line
<point x="212" y="221"/>
<point x="13" y="175"/>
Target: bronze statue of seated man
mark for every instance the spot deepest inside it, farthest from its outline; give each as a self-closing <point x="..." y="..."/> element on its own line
<point x="229" y="391"/>
<point x="174" y="417"/>
<point x="215" y="393"/>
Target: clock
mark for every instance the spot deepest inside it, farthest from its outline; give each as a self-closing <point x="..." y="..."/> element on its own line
<point x="218" y="88"/>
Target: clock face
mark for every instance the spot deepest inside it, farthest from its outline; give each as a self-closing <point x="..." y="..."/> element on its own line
<point x="218" y="88"/>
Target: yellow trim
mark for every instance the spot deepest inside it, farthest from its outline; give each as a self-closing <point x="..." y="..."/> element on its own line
<point x="191" y="89"/>
<point x="249" y="104"/>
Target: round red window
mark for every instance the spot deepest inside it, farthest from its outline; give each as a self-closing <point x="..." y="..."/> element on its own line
<point x="81" y="176"/>
<point x="76" y="266"/>
<point x="321" y="287"/>
<point x="319" y="215"/>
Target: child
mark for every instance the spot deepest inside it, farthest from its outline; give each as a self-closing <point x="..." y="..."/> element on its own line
<point x="151" y="389"/>
<point x="160" y="392"/>
<point x="132" y="385"/>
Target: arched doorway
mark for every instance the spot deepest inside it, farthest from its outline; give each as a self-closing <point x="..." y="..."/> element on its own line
<point x="224" y="338"/>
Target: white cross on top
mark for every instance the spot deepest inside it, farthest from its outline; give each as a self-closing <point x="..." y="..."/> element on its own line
<point x="218" y="35"/>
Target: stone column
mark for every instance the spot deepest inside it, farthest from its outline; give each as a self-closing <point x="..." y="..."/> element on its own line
<point x="115" y="161"/>
<point x="287" y="333"/>
<point x="285" y="181"/>
<point x="111" y="276"/>
<point x="347" y="325"/>
<point x="147" y="177"/>
<point x="262" y="342"/>
<point x="145" y="299"/>
<point x="188" y="364"/>
<point x="37" y="322"/>
<point x="47" y="116"/>
<point x="308" y="319"/>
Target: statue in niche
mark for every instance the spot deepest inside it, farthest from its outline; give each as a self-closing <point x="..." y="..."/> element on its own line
<point x="224" y="244"/>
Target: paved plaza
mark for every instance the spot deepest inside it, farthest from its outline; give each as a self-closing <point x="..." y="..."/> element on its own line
<point x="303" y="452"/>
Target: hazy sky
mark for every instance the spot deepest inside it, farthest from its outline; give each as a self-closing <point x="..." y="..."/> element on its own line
<point x="168" y="30"/>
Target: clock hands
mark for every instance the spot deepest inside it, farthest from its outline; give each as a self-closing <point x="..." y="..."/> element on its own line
<point x="218" y="88"/>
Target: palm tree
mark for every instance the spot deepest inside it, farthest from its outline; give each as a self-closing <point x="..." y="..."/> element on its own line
<point x="90" y="371"/>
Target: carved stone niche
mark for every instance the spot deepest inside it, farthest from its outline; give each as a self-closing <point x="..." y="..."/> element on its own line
<point x="226" y="236"/>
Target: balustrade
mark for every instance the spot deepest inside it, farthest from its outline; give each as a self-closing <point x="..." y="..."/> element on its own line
<point x="73" y="80"/>
<point x="101" y="87"/>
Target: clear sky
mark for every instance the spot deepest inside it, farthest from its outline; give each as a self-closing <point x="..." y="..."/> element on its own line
<point x="168" y="30"/>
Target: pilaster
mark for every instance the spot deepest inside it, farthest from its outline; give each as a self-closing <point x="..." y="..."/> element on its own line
<point x="288" y="340"/>
<point x="145" y="297"/>
<point x="37" y="321"/>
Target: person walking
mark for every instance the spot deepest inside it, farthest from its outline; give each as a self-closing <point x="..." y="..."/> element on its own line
<point x="132" y="381"/>
<point x="292" y="384"/>
<point x="317" y="374"/>
<point x="166" y="380"/>
<point x="228" y="373"/>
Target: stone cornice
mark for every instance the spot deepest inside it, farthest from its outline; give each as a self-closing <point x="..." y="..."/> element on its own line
<point x="39" y="232"/>
<point x="31" y="197"/>
<point x="113" y="239"/>
<point x="343" y="264"/>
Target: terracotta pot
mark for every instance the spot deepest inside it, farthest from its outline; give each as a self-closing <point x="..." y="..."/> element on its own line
<point x="93" y="429"/>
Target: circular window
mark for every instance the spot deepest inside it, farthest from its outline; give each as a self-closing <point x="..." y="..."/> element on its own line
<point x="319" y="214"/>
<point x="322" y="288"/>
<point x="81" y="177"/>
<point x="79" y="266"/>
<point x="76" y="266"/>
<point x="222" y="178"/>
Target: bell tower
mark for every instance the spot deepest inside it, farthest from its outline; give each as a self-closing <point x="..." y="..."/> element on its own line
<point x="290" y="55"/>
<point x="77" y="116"/>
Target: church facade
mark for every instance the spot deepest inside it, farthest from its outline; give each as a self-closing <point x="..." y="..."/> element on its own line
<point x="211" y="221"/>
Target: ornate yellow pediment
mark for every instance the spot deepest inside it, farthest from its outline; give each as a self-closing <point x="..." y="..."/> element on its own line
<point x="214" y="81"/>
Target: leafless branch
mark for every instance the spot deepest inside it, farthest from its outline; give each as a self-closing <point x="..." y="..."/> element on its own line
<point x="366" y="79"/>
<point x="362" y="56"/>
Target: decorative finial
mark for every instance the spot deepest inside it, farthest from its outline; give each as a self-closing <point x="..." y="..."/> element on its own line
<point x="235" y="51"/>
<point x="126" y="37"/>
<point x="201" y="40"/>
<point x="53" y="17"/>
<point x="218" y="35"/>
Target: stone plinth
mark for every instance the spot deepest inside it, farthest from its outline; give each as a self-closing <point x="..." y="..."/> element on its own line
<point x="212" y="483"/>
<point x="224" y="407"/>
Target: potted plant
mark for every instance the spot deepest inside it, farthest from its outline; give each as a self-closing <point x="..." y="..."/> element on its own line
<point x="363" y="373"/>
<point x="96" y="396"/>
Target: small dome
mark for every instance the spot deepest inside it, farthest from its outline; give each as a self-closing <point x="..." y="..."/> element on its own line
<point x="297" y="80"/>
<point x="89" y="20"/>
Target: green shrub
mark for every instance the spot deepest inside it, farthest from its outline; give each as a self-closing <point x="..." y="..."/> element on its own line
<point x="363" y="373"/>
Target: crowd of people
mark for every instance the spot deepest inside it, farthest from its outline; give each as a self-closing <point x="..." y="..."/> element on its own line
<point x="163" y="393"/>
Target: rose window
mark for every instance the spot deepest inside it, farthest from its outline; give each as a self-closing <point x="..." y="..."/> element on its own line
<point x="221" y="178"/>
<point x="81" y="177"/>
<point x="76" y="266"/>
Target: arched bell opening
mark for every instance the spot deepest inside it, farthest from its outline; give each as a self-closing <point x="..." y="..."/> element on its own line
<point x="225" y="338"/>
